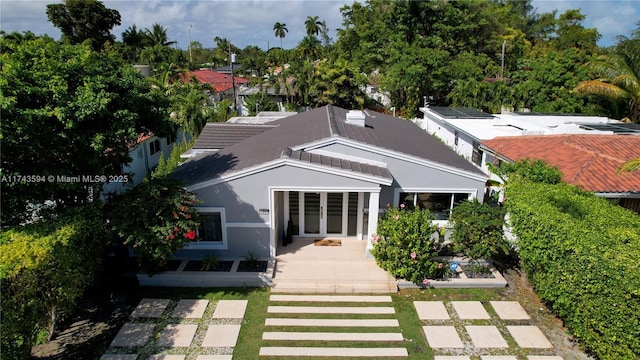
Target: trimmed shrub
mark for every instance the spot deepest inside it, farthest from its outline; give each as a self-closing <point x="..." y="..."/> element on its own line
<point x="44" y="270"/>
<point x="405" y="245"/>
<point x="477" y="230"/>
<point x="581" y="253"/>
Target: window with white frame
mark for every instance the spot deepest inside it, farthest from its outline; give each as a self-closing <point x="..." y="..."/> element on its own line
<point x="439" y="204"/>
<point x="212" y="233"/>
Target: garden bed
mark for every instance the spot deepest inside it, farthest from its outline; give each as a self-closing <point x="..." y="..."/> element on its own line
<point x="186" y="275"/>
<point x="460" y="279"/>
<point x="198" y="265"/>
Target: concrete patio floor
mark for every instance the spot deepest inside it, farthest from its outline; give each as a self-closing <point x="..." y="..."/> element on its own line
<point x="303" y="267"/>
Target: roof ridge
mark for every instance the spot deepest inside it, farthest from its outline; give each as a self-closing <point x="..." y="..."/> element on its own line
<point x="593" y="153"/>
<point x="333" y="125"/>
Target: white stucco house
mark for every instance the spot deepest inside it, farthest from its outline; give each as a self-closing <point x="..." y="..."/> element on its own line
<point x="327" y="172"/>
<point x="465" y="129"/>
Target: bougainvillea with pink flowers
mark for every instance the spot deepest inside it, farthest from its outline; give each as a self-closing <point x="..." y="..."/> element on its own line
<point x="406" y="243"/>
<point x="155" y="219"/>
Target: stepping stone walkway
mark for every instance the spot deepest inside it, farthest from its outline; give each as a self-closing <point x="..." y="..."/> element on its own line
<point x="351" y="329"/>
<point x="468" y="329"/>
<point x="178" y="327"/>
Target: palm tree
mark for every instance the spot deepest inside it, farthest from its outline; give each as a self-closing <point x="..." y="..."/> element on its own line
<point x="280" y="30"/>
<point x="134" y="40"/>
<point x="619" y="73"/>
<point x="158" y="36"/>
<point x="312" y="24"/>
<point x="309" y="46"/>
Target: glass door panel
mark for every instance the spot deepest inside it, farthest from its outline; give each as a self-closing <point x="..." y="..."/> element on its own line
<point x="334" y="213"/>
<point x="312" y="213"/>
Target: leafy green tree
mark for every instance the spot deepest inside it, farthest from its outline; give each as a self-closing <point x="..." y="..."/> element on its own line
<point x="69" y="111"/>
<point x="338" y="83"/>
<point x="571" y="34"/>
<point x="259" y="102"/>
<point x="155" y="219"/>
<point x="280" y="30"/>
<point x="631" y="165"/>
<point x="312" y="25"/>
<point x="547" y="78"/>
<point x="309" y="47"/>
<point x="618" y="74"/>
<point x="81" y="20"/>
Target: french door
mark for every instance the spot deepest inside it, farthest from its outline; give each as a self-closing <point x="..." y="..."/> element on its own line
<point x="324" y="213"/>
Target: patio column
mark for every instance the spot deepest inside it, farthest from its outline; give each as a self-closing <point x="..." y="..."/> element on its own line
<point x="374" y="205"/>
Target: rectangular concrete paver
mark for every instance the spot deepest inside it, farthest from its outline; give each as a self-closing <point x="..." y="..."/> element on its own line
<point x="451" y="357"/>
<point x="331" y="310"/>
<point x="119" y="357"/>
<point x="498" y="357"/>
<point x="214" y="357"/>
<point x="331" y="298"/>
<point x="335" y="352"/>
<point x="486" y="337"/>
<point x="133" y="335"/>
<point x="431" y="310"/>
<point x="332" y="322"/>
<point x="150" y="308"/>
<point x="166" y="357"/>
<point x="221" y="336"/>
<point x="331" y="336"/>
<point x="190" y="309"/>
<point x="529" y="337"/>
<point x="442" y="337"/>
<point x="509" y="310"/>
<point x="177" y="335"/>
<point x="230" y="309"/>
<point x="537" y="357"/>
<point x="469" y="310"/>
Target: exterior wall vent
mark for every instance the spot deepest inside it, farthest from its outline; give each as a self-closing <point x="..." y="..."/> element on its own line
<point x="355" y="117"/>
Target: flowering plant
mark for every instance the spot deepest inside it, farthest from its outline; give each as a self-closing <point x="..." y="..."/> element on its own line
<point x="406" y="243"/>
<point x="155" y="218"/>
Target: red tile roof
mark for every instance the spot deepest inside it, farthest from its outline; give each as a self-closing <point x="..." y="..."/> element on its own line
<point x="588" y="161"/>
<point x="220" y="82"/>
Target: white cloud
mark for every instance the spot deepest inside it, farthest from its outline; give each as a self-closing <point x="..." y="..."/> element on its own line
<point x="247" y="22"/>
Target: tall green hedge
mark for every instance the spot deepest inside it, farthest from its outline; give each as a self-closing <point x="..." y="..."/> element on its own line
<point x="582" y="255"/>
<point x="44" y="269"/>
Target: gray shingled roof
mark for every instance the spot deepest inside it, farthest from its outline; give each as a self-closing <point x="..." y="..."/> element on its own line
<point x="218" y="136"/>
<point x="383" y="131"/>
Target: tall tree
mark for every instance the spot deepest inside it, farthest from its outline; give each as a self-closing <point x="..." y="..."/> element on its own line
<point x="157" y="35"/>
<point x="312" y="25"/>
<point x="134" y="41"/>
<point x="81" y="20"/>
<point x="69" y="111"/>
<point x="280" y="30"/>
<point x="618" y="74"/>
<point x="309" y="47"/>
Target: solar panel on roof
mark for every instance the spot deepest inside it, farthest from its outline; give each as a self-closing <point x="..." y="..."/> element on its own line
<point x="616" y="128"/>
<point x="460" y="113"/>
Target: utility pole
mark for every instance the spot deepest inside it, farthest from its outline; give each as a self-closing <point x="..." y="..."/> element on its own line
<point x="233" y="79"/>
<point x="190" y="58"/>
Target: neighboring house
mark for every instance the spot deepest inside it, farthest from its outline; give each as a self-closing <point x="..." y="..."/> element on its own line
<point x="324" y="172"/>
<point x="145" y="155"/>
<point x="588" y="161"/>
<point x="464" y="129"/>
<point x="222" y="83"/>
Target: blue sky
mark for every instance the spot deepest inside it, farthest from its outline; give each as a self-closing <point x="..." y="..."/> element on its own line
<point x="251" y="22"/>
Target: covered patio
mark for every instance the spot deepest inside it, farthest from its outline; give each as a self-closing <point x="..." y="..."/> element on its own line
<point x="305" y="267"/>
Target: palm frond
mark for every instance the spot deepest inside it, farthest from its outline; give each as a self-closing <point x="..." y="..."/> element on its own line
<point x="631" y="165"/>
<point x="599" y="87"/>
